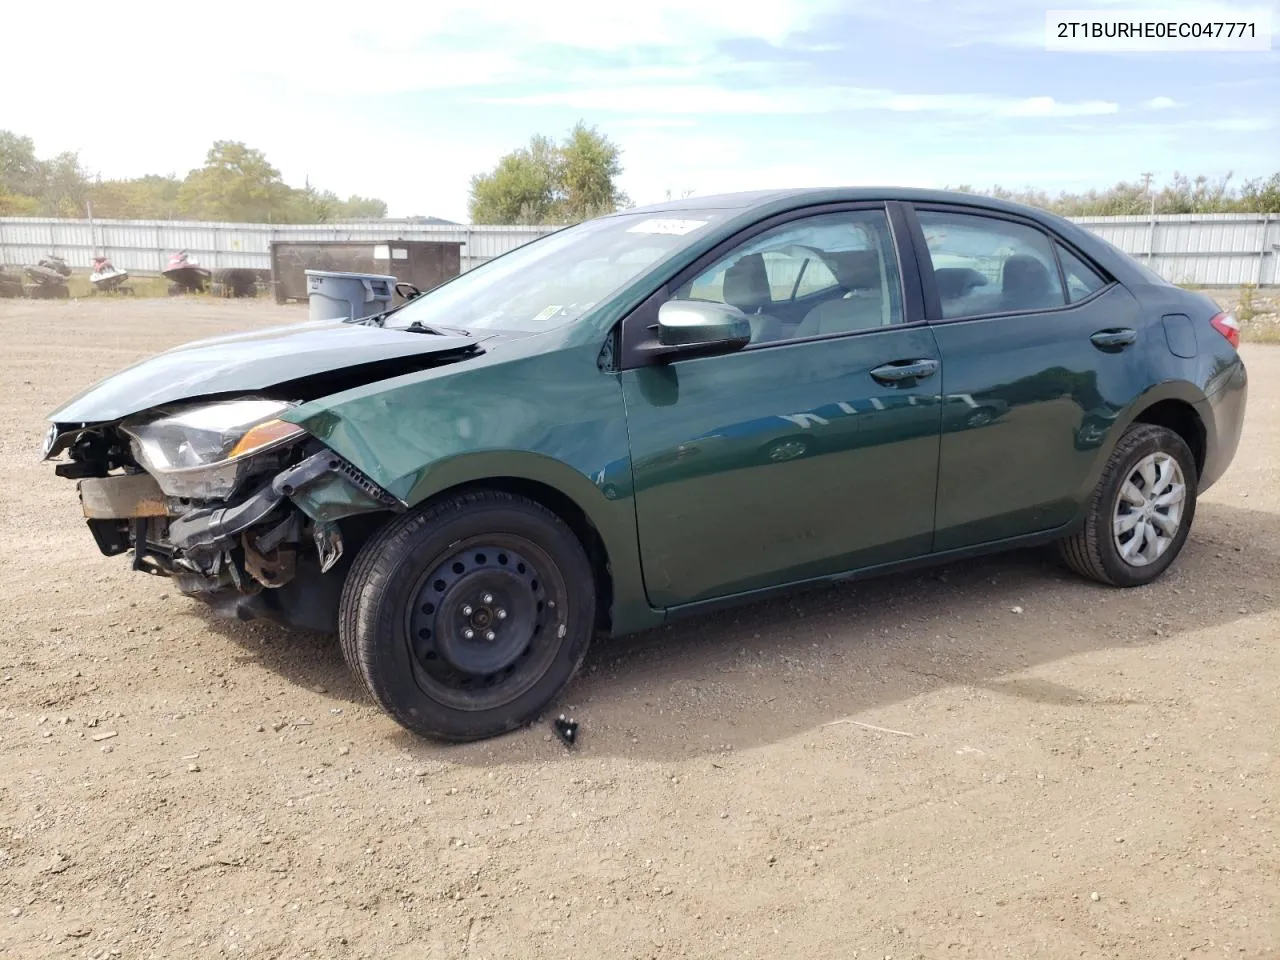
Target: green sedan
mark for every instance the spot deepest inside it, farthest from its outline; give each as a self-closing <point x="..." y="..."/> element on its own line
<point x="658" y="412"/>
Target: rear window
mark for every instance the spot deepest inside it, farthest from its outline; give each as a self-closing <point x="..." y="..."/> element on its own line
<point x="1082" y="279"/>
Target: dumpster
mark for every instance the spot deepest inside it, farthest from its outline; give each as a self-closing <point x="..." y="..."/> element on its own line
<point x="424" y="263"/>
<point x="348" y="296"/>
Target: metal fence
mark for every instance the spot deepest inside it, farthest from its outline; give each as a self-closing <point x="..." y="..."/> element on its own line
<point x="1224" y="249"/>
<point x="144" y="246"/>
<point x="1204" y="249"/>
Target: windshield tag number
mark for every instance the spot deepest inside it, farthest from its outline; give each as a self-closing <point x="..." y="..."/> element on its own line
<point x="677" y="228"/>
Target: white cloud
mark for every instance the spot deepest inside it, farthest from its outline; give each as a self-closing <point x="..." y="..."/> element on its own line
<point x="1241" y="124"/>
<point x="651" y="123"/>
<point x="717" y="101"/>
<point x="1000" y="106"/>
<point x="329" y="101"/>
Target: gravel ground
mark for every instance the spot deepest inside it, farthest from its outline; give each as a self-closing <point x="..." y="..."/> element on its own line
<point x="990" y="760"/>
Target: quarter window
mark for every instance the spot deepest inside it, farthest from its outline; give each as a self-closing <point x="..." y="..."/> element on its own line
<point x="1082" y="279"/>
<point x="983" y="265"/>
<point x="828" y="274"/>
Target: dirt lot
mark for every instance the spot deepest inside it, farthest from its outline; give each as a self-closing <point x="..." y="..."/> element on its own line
<point x="1063" y="770"/>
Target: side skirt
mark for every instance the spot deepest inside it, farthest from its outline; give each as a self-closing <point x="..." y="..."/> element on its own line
<point x="898" y="566"/>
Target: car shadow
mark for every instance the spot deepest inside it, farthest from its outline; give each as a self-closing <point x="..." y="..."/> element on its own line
<point x="301" y="657"/>
<point x="766" y="671"/>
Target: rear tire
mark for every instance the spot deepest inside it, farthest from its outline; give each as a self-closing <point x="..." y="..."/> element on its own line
<point x="466" y="619"/>
<point x="1141" y="511"/>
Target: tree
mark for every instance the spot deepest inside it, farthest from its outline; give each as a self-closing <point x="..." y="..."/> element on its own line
<point x="20" y="172"/>
<point x="144" y="198"/>
<point x="66" y="186"/>
<point x="310" y="205"/>
<point x="549" y="183"/>
<point x="236" y="183"/>
<point x="524" y="188"/>
<point x="1261" y="196"/>
<point x="1182" y="194"/>
<point x="356" y="207"/>
<point x="589" y="165"/>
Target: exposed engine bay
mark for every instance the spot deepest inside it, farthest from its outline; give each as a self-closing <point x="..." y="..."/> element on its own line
<point x="239" y="507"/>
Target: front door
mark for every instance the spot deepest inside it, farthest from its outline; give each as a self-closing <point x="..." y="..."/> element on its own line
<point x="812" y="451"/>
<point x="1037" y="363"/>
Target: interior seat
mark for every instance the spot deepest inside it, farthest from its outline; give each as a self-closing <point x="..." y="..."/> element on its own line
<point x="746" y="286"/>
<point x="1025" y="284"/>
<point x="862" y="306"/>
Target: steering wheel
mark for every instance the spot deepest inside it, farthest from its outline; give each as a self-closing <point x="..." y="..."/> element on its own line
<point x="414" y="291"/>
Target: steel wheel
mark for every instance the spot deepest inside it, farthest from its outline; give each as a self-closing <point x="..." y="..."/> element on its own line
<point x="1148" y="509"/>
<point x="485" y="622"/>
<point x="466" y="617"/>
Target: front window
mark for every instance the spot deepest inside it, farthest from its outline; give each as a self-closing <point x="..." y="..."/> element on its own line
<point x="556" y="279"/>
<point x="817" y="276"/>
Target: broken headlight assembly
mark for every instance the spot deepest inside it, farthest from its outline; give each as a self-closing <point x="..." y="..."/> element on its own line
<point x="203" y="452"/>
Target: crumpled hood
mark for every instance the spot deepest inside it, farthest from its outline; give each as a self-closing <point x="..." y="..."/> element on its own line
<point x="248" y="361"/>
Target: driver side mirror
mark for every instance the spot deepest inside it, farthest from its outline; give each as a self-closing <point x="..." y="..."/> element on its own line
<point x="689" y="328"/>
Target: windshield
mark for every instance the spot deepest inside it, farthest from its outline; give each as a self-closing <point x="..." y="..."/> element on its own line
<point x="557" y="278"/>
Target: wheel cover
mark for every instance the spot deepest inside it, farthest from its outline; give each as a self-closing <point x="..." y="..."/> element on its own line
<point x="1149" y="510"/>
<point x="485" y="622"/>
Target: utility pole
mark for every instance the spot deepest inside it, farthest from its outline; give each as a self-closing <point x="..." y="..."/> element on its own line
<point x="1146" y="186"/>
<point x="1151" y="221"/>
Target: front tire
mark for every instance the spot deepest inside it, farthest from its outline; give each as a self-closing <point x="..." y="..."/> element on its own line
<point x="466" y="619"/>
<point x="1141" y="511"/>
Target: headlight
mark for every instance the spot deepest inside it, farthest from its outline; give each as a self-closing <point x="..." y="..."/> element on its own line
<point x="203" y="452"/>
<point x="50" y="438"/>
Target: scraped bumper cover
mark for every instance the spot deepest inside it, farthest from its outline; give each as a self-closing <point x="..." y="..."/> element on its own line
<point x="122" y="497"/>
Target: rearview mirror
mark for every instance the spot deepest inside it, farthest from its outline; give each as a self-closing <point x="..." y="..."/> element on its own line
<point x="687" y="327"/>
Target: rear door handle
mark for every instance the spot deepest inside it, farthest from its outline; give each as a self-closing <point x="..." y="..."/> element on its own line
<point x="1116" y="339"/>
<point x="904" y="372"/>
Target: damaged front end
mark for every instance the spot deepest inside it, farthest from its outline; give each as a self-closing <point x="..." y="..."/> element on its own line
<point x="240" y="508"/>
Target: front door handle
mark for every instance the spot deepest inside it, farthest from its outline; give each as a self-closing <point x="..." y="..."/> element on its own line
<point x="903" y="373"/>
<point x="1116" y="339"/>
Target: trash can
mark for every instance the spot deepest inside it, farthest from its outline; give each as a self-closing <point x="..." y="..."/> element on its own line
<point x="347" y="296"/>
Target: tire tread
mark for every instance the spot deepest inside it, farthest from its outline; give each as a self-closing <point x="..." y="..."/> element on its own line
<point x="358" y="637"/>
<point x="1081" y="551"/>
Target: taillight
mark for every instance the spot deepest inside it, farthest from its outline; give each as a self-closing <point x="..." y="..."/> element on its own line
<point x="1226" y="325"/>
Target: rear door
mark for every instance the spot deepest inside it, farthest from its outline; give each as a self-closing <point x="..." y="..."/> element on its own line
<point x="1040" y="352"/>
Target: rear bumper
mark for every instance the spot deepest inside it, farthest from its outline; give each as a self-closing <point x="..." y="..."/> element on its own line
<point x="1222" y="413"/>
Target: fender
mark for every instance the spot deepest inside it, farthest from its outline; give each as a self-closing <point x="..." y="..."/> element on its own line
<point x="554" y="419"/>
<point x="605" y="499"/>
<point x="1181" y="390"/>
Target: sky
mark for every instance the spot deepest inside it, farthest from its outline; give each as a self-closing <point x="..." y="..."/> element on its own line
<point x="407" y="100"/>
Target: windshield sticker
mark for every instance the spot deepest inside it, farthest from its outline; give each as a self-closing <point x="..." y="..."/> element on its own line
<point x="675" y="228"/>
<point x="547" y="313"/>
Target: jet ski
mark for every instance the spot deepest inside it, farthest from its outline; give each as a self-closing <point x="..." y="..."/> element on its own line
<point x="48" y="279"/>
<point x="185" y="275"/>
<point x="106" y="278"/>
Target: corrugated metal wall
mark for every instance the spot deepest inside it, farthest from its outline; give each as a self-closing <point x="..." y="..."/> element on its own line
<point x="1208" y="249"/>
<point x="144" y="246"/>
<point x="1222" y="249"/>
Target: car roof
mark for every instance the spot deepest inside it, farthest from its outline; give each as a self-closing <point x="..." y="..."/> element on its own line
<point x="776" y="201"/>
<point x="743" y="208"/>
